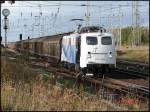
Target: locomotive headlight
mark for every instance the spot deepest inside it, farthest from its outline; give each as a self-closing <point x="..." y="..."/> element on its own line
<point x="110" y="54"/>
<point x="89" y="55"/>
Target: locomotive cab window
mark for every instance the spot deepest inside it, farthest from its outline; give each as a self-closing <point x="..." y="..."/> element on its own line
<point x="91" y="40"/>
<point x="106" y="40"/>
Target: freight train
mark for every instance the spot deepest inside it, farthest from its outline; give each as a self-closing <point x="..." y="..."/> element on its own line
<point x="89" y="49"/>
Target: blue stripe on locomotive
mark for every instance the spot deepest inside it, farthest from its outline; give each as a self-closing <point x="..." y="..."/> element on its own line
<point x="69" y="52"/>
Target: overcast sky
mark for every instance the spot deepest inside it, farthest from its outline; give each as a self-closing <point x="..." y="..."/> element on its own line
<point x="40" y="18"/>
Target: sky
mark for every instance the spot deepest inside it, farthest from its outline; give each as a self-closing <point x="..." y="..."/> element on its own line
<point x="42" y="18"/>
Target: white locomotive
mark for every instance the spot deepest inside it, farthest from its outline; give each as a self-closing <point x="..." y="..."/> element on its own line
<point x="90" y="49"/>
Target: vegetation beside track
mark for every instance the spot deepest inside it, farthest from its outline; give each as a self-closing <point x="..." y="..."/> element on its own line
<point x="135" y="54"/>
<point x="127" y="35"/>
<point x="25" y="88"/>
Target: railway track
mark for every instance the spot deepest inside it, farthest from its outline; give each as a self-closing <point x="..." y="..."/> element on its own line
<point x="132" y="73"/>
<point x="120" y="87"/>
<point x="129" y="87"/>
<point x="141" y="63"/>
<point x="141" y="69"/>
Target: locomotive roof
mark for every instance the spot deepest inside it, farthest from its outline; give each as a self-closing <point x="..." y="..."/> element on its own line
<point x="87" y="29"/>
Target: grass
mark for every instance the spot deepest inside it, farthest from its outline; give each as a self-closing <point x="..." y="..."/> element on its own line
<point x="138" y="54"/>
<point x="23" y="89"/>
<point x="27" y="89"/>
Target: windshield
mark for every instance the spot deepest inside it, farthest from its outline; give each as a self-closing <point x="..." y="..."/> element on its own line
<point x="106" y="40"/>
<point x="91" y="40"/>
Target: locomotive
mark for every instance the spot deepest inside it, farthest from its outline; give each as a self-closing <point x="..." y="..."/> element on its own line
<point x="90" y="49"/>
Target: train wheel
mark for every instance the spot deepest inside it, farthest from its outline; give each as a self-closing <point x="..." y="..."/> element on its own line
<point x="109" y="70"/>
<point x="98" y="75"/>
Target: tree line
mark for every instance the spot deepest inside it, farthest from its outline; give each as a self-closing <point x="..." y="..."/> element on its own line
<point x="129" y="35"/>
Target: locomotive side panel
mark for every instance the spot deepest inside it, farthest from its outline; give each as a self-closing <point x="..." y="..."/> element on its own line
<point x="69" y="48"/>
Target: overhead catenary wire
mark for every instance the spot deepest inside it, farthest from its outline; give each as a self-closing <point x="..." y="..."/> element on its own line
<point x="54" y="19"/>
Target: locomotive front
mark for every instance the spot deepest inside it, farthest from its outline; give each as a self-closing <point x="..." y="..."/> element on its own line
<point x="97" y="52"/>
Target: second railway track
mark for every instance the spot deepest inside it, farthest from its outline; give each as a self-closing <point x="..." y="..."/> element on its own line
<point x="107" y="82"/>
<point x="117" y="85"/>
<point x="141" y="69"/>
